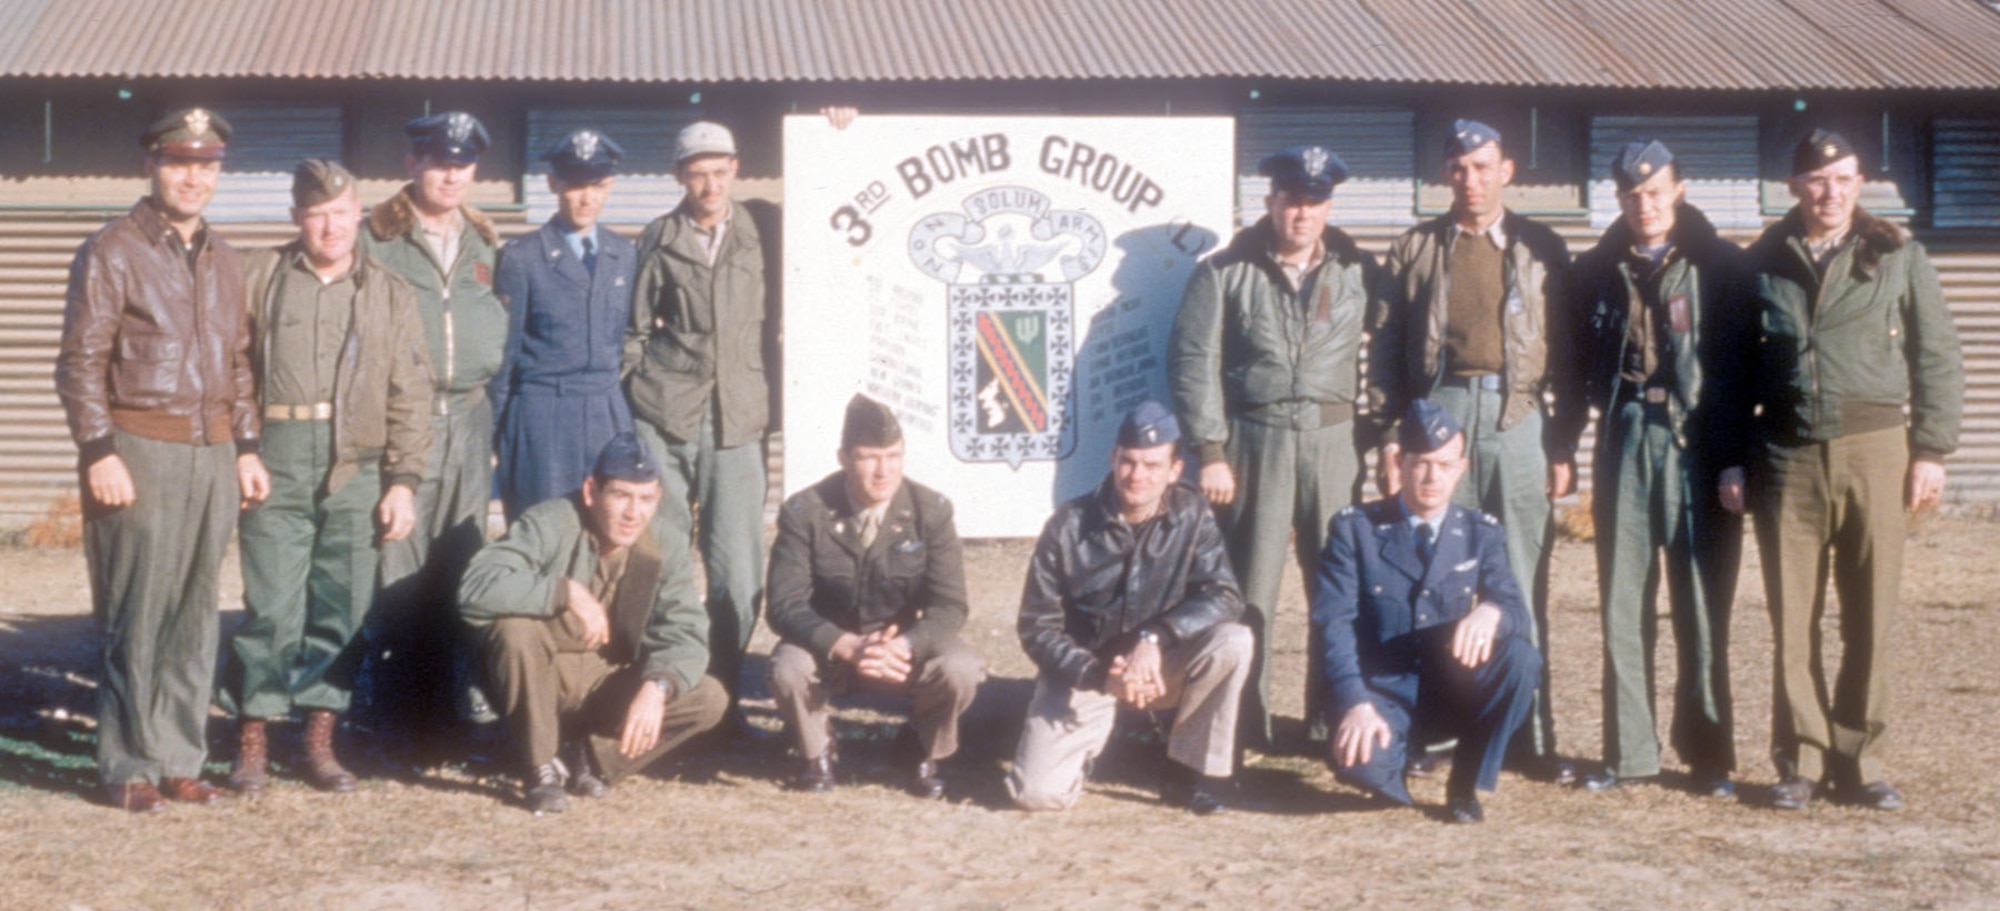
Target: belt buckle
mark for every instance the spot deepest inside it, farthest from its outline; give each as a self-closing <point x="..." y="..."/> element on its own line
<point x="322" y="411"/>
<point x="1489" y="382"/>
<point x="1654" y="395"/>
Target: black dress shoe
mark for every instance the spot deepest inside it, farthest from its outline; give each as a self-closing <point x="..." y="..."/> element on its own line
<point x="583" y="780"/>
<point x="928" y="782"/>
<point x="545" y="788"/>
<point x="1427" y="764"/>
<point x="1464" y="809"/>
<point x="1713" y="783"/>
<point x="817" y="776"/>
<point x="1879" y="795"/>
<point x="1791" y="793"/>
<point x="1607" y="781"/>
<point x="1197" y="794"/>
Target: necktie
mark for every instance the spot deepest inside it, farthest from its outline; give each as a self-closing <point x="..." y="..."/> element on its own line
<point x="1426" y="542"/>
<point x="870" y="524"/>
<point x="590" y="255"/>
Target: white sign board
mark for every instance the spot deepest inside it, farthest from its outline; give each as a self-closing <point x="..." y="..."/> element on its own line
<point x="1006" y="284"/>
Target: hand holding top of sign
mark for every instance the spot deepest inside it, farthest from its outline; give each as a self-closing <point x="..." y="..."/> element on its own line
<point x="840" y="115"/>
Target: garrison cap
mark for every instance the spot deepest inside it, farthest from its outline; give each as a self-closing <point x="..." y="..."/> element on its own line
<point x="188" y="133"/>
<point x="1148" y="425"/>
<point x="1637" y="162"/>
<point x="584" y="156"/>
<point x="1308" y="171"/>
<point x="1468" y="136"/>
<point x="626" y="459"/>
<point x="453" y="136"/>
<point x="1426" y="428"/>
<point x="703" y="137"/>
<point x="317" y="180"/>
<point x="869" y="423"/>
<point x="1822" y="148"/>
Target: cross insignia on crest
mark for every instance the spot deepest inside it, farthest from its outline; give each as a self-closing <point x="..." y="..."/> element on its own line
<point x="584" y="144"/>
<point x="459" y="128"/>
<point x="197" y="121"/>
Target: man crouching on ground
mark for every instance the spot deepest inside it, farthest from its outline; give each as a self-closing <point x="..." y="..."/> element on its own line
<point x="1130" y="601"/>
<point x="1426" y="630"/>
<point x="590" y="629"/>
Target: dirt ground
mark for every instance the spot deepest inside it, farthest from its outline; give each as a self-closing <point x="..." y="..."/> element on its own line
<point x="718" y="831"/>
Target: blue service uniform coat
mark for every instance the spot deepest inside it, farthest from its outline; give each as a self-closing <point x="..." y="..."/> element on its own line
<point x="1388" y="622"/>
<point x="557" y="396"/>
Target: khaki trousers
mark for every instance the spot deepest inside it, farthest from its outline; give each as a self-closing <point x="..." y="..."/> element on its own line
<point x="1067" y="727"/>
<point x="550" y="688"/>
<point x="940" y="688"/>
<point x="154" y="570"/>
<point x="1289" y="483"/>
<point x="1832" y="508"/>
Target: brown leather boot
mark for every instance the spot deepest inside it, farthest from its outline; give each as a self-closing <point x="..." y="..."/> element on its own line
<point x="252" y="768"/>
<point x="322" y="769"/>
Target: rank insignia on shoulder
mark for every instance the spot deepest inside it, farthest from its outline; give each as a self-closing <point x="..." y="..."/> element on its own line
<point x="1489" y="520"/>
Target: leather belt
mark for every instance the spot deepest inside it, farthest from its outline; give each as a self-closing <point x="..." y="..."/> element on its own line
<point x="1487" y="381"/>
<point x="445" y="403"/>
<point x="573" y="385"/>
<point x="317" y="411"/>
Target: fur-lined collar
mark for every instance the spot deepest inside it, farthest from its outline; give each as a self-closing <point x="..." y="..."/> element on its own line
<point x="1874" y="237"/>
<point x="397" y="216"/>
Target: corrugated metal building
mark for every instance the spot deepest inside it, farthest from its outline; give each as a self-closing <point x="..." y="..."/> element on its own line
<point x="1731" y="83"/>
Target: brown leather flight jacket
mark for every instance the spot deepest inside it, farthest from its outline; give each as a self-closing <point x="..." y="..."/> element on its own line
<point x="382" y="386"/>
<point x="153" y="347"/>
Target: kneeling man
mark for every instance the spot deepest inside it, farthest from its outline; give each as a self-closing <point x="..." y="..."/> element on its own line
<point x="1130" y="601"/>
<point x="867" y="590"/>
<point x="1426" y="631"/>
<point x="593" y="639"/>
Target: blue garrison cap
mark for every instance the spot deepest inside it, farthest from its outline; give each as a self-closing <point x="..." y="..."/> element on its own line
<point x="1308" y="171"/>
<point x="1822" y="148"/>
<point x="1467" y="136"/>
<point x="453" y="136"/>
<point x="585" y="156"/>
<point x="626" y="459"/>
<point x="1637" y="162"/>
<point x="1426" y="428"/>
<point x="1149" y="425"/>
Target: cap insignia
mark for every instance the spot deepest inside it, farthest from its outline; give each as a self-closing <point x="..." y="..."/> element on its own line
<point x="1314" y="159"/>
<point x="1645" y="167"/>
<point x="584" y="144"/>
<point x="459" y="127"/>
<point x="1829" y="150"/>
<point x="197" y="121"/>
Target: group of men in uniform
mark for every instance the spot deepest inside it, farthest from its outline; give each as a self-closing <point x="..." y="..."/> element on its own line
<point x="345" y="399"/>
<point x="1771" y="381"/>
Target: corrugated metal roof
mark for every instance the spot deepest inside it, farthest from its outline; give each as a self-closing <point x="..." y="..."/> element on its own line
<point x="1696" y="44"/>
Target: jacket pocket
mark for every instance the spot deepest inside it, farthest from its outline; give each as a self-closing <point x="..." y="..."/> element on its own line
<point x="148" y="370"/>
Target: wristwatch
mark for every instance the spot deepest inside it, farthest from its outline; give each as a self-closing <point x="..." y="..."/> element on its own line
<point x="1150" y="635"/>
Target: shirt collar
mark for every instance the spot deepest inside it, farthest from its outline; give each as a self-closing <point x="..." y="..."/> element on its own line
<point x="1414" y="520"/>
<point x="575" y="239"/>
<point x="1495" y="232"/>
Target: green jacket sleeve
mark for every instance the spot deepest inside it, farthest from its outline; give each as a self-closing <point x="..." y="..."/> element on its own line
<point x="523" y="574"/>
<point x="789" y="590"/>
<point x="676" y="640"/>
<point x="410" y="388"/>
<point x="1195" y="364"/>
<point x="1937" y="373"/>
<point x="645" y="288"/>
<point x="944" y="604"/>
